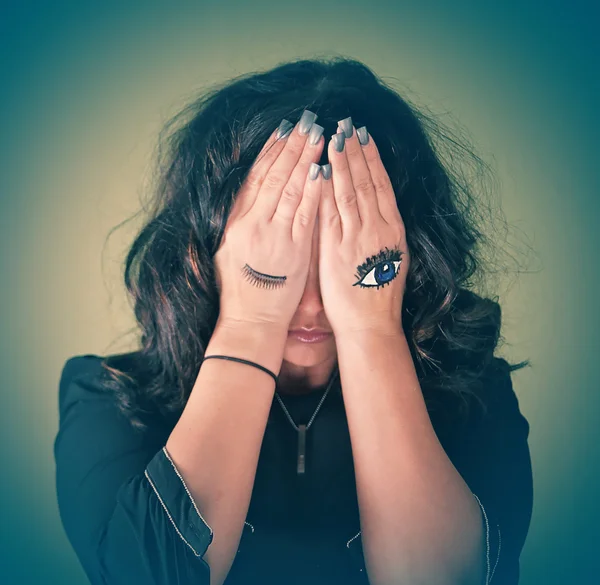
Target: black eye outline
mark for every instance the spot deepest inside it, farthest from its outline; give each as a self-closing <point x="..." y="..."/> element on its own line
<point x="385" y="256"/>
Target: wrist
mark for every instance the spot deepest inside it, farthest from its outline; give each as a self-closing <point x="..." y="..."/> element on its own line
<point x="251" y="328"/>
<point x="261" y="343"/>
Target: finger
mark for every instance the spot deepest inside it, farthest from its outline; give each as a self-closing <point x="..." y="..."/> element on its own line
<point x="343" y="189"/>
<point x="279" y="174"/>
<point x="304" y="221"/>
<point x="248" y="192"/>
<point x="330" y="223"/>
<point x="366" y="197"/>
<point x="292" y="193"/>
<point x="386" y="197"/>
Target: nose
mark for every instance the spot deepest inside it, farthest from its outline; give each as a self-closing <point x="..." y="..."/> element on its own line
<point x="311" y="302"/>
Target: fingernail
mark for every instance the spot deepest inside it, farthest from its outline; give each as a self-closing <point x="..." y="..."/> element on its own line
<point x="339" y="140"/>
<point x="326" y="170"/>
<point x="315" y="134"/>
<point x="363" y="135"/>
<point x="346" y="126"/>
<point x="284" y="129"/>
<point x="306" y="121"/>
<point x="313" y="171"/>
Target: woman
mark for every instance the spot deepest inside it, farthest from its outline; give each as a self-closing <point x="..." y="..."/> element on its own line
<point x="354" y="425"/>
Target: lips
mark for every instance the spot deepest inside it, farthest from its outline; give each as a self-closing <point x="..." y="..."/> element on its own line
<point x="310" y="335"/>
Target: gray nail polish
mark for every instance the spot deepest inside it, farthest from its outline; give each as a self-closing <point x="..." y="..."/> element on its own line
<point x="363" y="135"/>
<point x="346" y="126"/>
<point x="284" y="128"/>
<point x="339" y="140"/>
<point x="306" y="121"/>
<point x="313" y="171"/>
<point x="315" y="134"/>
<point x="326" y="170"/>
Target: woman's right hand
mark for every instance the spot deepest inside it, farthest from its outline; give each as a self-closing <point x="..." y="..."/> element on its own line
<point x="262" y="263"/>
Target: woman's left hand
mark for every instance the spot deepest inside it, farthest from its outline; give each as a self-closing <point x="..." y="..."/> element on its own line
<point x="363" y="254"/>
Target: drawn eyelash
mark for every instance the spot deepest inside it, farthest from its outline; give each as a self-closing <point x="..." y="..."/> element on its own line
<point x="262" y="280"/>
<point x="387" y="261"/>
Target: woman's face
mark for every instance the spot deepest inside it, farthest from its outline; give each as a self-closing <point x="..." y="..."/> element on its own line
<point x="313" y="361"/>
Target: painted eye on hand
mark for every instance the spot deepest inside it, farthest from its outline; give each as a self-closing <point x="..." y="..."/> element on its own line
<point x="380" y="269"/>
<point x="380" y="275"/>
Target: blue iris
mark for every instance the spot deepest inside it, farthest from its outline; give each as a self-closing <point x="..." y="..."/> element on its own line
<point x="384" y="272"/>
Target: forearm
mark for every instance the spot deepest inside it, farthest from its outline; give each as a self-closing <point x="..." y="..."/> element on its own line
<point x="420" y="523"/>
<point x="216" y="442"/>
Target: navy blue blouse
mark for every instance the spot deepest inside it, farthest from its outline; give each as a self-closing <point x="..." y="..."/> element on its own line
<point x="130" y="518"/>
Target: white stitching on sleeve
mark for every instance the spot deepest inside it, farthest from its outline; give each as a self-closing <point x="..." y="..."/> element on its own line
<point x="498" y="555"/>
<point x="348" y="543"/>
<point x="487" y="542"/>
<point x="186" y="488"/>
<point x="169" y="515"/>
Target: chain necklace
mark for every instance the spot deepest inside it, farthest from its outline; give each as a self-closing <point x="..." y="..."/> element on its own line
<point x="301" y="466"/>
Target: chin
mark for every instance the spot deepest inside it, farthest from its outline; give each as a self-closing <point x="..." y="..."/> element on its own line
<point x="306" y="354"/>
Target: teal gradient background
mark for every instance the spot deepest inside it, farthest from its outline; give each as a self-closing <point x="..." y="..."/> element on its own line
<point x="86" y="89"/>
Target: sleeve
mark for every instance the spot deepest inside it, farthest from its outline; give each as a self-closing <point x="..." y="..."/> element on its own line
<point x="495" y="462"/>
<point x="125" y="508"/>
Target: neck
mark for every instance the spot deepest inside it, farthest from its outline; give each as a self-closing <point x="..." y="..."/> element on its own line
<point x="299" y="380"/>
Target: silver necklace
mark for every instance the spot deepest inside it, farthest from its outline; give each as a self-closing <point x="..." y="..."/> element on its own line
<point x="301" y="466"/>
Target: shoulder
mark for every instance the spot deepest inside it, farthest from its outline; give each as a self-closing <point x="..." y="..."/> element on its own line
<point x="489" y="410"/>
<point x="81" y="379"/>
<point x="87" y="387"/>
<point x="496" y="428"/>
<point x="90" y="412"/>
<point x="498" y="396"/>
<point x="84" y="396"/>
<point x="79" y="365"/>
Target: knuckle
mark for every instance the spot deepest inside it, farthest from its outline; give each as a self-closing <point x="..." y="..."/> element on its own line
<point x="253" y="180"/>
<point x="394" y="211"/>
<point x="253" y="219"/>
<point x="294" y="146"/>
<point x="381" y="184"/>
<point x="347" y="197"/>
<point x="400" y="228"/>
<point x="291" y="192"/>
<point x="273" y="181"/>
<point x="364" y="185"/>
<point x="330" y="221"/>
<point x="303" y="218"/>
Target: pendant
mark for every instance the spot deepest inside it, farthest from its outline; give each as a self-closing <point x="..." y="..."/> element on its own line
<point x="301" y="448"/>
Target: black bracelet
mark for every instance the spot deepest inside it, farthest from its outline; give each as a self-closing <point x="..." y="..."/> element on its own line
<point x="233" y="359"/>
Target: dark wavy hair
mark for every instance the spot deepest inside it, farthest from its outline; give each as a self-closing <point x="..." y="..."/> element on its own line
<point x="204" y="154"/>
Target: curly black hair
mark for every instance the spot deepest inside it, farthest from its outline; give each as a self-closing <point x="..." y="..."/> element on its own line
<point x="204" y="154"/>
